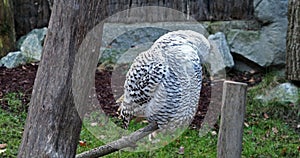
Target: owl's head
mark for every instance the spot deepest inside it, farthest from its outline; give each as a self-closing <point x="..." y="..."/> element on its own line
<point x="185" y="39"/>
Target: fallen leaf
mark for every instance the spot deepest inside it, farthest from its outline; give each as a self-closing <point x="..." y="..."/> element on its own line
<point x="144" y="121"/>
<point x="2" y="146"/>
<point x="102" y="136"/>
<point x="252" y="80"/>
<point x="94" y="124"/>
<point x="268" y="133"/>
<point x="275" y="130"/>
<point x="181" y="150"/>
<point x="165" y="143"/>
<point x="252" y="71"/>
<point x="2" y="150"/>
<point x="82" y="143"/>
<point x="213" y="133"/>
<point x="24" y="68"/>
<point x="266" y="116"/>
<point x="283" y="152"/>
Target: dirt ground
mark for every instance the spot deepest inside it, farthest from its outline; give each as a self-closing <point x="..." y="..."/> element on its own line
<point x="21" y="80"/>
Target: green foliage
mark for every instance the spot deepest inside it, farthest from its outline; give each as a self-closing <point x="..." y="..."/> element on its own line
<point x="12" y="121"/>
<point x="272" y="130"/>
<point x="14" y="102"/>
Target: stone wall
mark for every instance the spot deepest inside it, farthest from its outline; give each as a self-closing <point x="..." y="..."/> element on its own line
<point x="260" y="41"/>
<point x="197" y="9"/>
<point x="30" y="14"/>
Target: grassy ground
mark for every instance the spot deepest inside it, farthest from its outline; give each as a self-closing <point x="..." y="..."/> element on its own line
<point x="12" y="120"/>
<point x="269" y="131"/>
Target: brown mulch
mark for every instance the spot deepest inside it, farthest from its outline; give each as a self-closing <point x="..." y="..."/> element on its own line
<point x="21" y="79"/>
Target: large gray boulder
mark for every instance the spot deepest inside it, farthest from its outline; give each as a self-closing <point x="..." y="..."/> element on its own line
<point x="119" y="38"/>
<point x="270" y="11"/>
<point x="265" y="46"/>
<point x="13" y="59"/>
<point x="283" y="93"/>
<point x="31" y="45"/>
<point x="220" y="58"/>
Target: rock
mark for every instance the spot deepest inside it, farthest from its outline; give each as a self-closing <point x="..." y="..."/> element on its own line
<point x="31" y="49"/>
<point x="40" y="33"/>
<point x="13" y="59"/>
<point x="266" y="46"/>
<point x="223" y="58"/>
<point x="132" y="53"/>
<point x="130" y="39"/>
<point x="225" y="26"/>
<point x="119" y="38"/>
<point x="270" y="11"/>
<point x="31" y="44"/>
<point x="242" y="66"/>
<point x="283" y="93"/>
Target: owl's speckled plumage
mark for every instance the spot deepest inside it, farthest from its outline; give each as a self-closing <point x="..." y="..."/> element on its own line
<point x="164" y="82"/>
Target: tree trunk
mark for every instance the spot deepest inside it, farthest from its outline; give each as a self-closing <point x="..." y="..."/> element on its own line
<point x="293" y="41"/>
<point x="7" y="27"/>
<point x="53" y="124"/>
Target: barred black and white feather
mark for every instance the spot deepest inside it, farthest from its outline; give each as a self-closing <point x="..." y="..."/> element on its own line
<point x="164" y="82"/>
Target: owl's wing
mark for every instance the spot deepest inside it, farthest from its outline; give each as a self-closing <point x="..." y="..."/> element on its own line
<point x="142" y="81"/>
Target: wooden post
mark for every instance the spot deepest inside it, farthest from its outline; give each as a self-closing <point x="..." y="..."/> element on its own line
<point x="214" y="108"/>
<point x="232" y="120"/>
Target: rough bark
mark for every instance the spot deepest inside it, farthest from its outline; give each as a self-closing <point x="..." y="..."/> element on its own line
<point x="7" y="29"/>
<point x="53" y="124"/>
<point x="293" y="41"/>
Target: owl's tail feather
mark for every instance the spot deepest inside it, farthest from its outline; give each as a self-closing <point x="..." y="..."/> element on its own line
<point x="126" y="117"/>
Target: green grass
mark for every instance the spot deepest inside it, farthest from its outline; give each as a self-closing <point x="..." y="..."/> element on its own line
<point x="263" y="137"/>
<point x="271" y="136"/>
<point x="12" y="120"/>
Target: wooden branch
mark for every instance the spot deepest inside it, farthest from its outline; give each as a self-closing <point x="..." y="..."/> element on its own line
<point x="126" y="141"/>
<point x="232" y="120"/>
